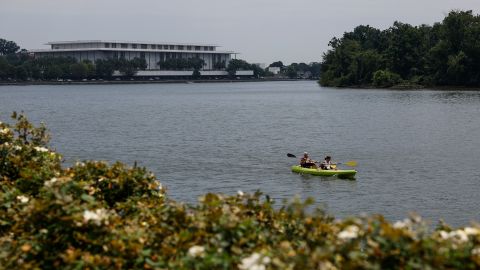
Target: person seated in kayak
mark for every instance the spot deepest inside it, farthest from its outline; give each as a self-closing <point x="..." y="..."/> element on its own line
<point x="306" y="162"/>
<point x="327" y="164"/>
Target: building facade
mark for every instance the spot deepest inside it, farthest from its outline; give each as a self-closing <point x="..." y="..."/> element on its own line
<point x="153" y="52"/>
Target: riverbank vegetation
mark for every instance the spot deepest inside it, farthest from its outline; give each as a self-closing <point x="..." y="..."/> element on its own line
<point x="445" y="54"/>
<point x="99" y="216"/>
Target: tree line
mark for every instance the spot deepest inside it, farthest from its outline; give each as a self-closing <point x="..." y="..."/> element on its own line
<point x="298" y="70"/>
<point x="447" y="53"/>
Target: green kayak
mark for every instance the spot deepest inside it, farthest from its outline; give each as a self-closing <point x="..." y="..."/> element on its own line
<point x="319" y="172"/>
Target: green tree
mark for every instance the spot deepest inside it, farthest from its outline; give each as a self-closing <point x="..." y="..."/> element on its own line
<point x="315" y="68"/>
<point x="364" y="64"/>
<point x="79" y="71"/>
<point x="130" y="67"/>
<point x="21" y="73"/>
<point x="196" y="74"/>
<point x="195" y="63"/>
<point x="291" y="71"/>
<point x="237" y="64"/>
<point x="457" y="68"/>
<point x="6" y="70"/>
<point x="8" y="47"/>
<point x="139" y="63"/>
<point x="404" y="49"/>
<point x="219" y="65"/>
<point x="104" y="68"/>
<point x="385" y="78"/>
<point x="258" y="71"/>
<point x="277" y="64"/>
<point x="53" y="72"/>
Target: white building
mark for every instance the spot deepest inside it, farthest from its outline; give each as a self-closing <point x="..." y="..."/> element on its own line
<point x="275" y="70"/>
<point x="153" y="52"/>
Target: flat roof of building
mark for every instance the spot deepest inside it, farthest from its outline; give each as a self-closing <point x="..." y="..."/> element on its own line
<point x="130" y="42"/>
<point x="128" y="50"/>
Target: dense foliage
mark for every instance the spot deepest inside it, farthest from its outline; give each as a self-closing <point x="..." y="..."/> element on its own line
<point x="182" y="64"/>
<point x="447" y="53"/>
<point x="99" y="216"/>
<point x="238" y="64"/>
<point x="195" y="64"/>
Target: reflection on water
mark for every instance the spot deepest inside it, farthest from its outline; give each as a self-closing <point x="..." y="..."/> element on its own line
<point x="417" y="150"/>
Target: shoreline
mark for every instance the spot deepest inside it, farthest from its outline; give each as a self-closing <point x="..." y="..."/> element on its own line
<point x="113" y="82"/>
<point x="420" y="88"/>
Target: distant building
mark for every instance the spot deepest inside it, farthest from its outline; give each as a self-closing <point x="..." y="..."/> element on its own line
<point x="274" y="70"/>
<point x="153" y="53"/>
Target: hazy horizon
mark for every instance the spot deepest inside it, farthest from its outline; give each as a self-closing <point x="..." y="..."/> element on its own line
<point x="262" y="31"/>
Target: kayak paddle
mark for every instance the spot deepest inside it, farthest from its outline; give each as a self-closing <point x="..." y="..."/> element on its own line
<point x="351" y="163"/>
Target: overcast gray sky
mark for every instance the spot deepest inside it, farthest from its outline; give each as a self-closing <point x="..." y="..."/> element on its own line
<point x="263" y="31"/>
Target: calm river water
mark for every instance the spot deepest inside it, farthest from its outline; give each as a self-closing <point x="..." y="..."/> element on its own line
<point x="418" y="151"/>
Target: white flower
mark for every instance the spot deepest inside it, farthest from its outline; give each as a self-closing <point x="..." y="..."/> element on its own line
<point x="348" y="233"/>
<point x="4" y="131"/>
<point x="476" y="251"/>
<point x="254" y="262"/>
<point x="96" y="216"/>
<point x="196" y="251"/>
<point x="443" y="235"/>
<point x="459" y="236"/>
<point x="471" y="231"/>
<point x="23" y="199"/>
<point x="44" y="231"/>
<point x="240" y="193"/>
<point x="40" y="149"/>
<point x="406" y="223"/>
<point x="16" y="147"/>
<point x="50" y="182"/>
<point x="79" y="164"/>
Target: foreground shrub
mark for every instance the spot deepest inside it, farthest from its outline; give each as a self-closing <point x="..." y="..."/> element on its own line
<point x="100" y="216"/>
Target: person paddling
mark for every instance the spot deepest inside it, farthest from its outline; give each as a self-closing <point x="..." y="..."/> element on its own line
<point x="327" y="164"/>
<point x="306" y="162"/>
